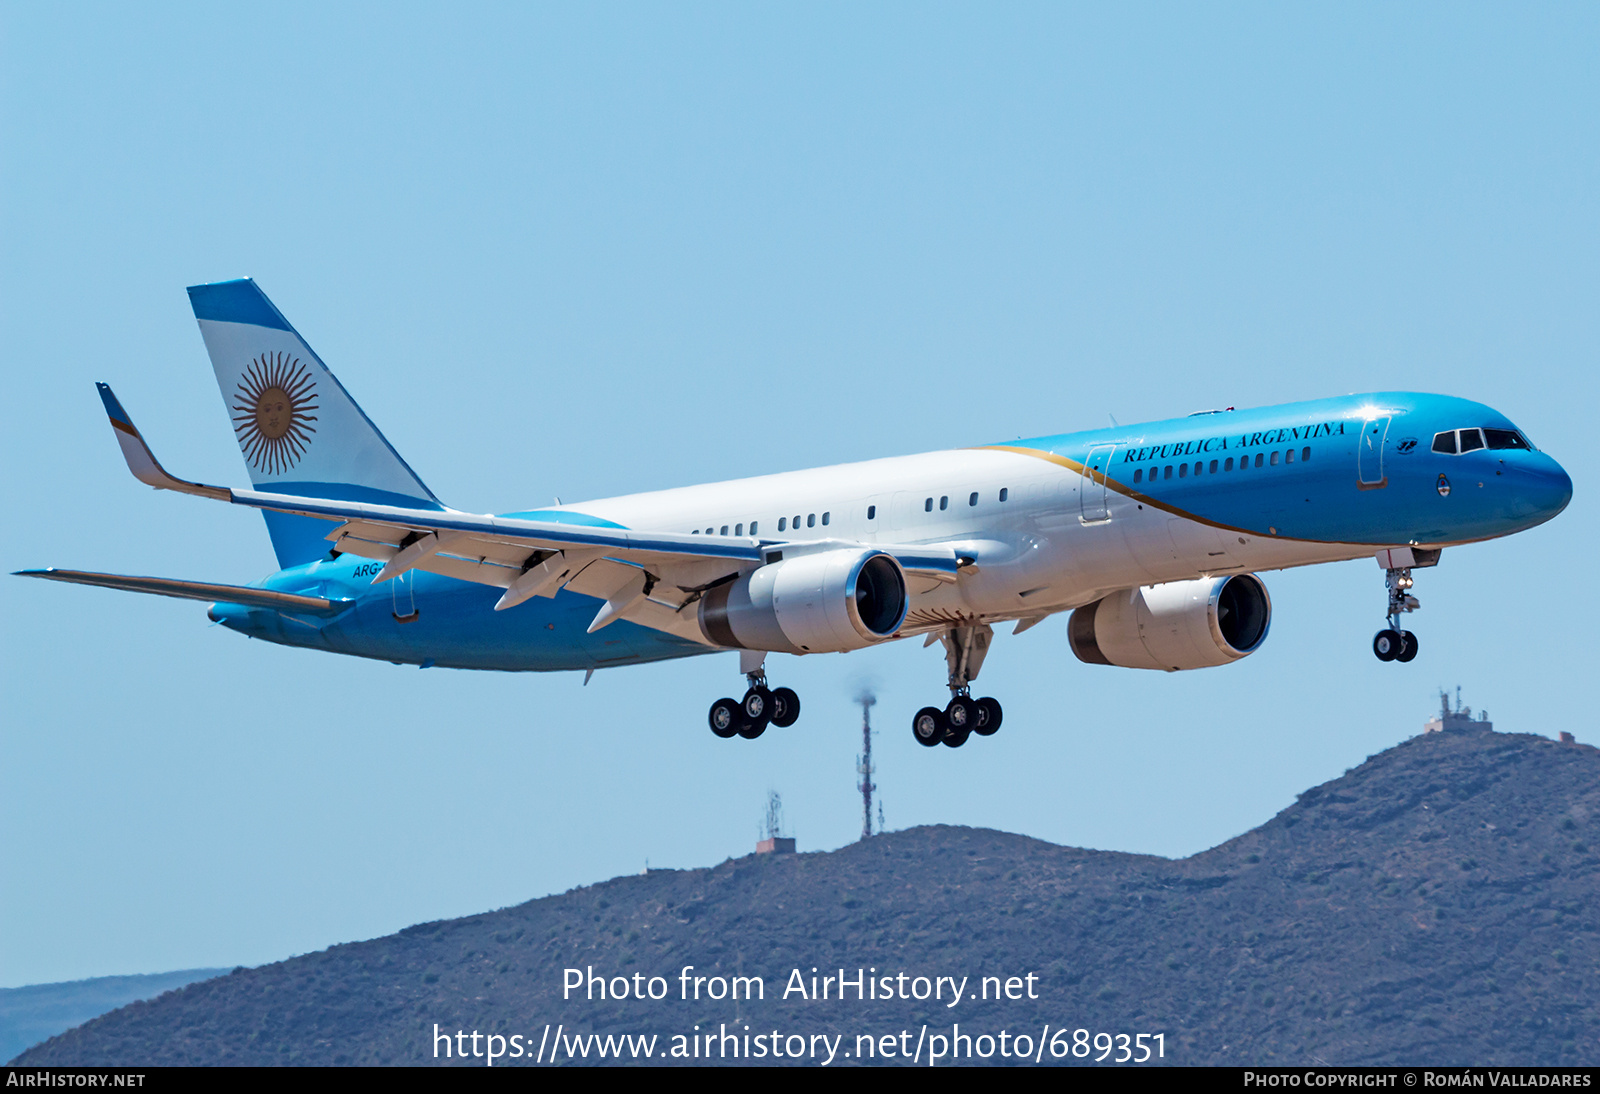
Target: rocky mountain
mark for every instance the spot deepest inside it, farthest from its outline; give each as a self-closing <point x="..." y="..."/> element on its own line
<point x="1436" y="904"/>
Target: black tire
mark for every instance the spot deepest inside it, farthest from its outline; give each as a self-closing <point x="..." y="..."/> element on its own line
<point x="1408" y="647"/>
<point x="961" y="715"/>
<point x="751" y="730"/>
<point x="725" y="718"/>
<point x="929" y="726"/>
<point x="955" y="738"/>
<point x="758" y="705"/>
<point x="785" y="707"/>
<point x="988" y="717"/>
<point x="1386" y="645"/>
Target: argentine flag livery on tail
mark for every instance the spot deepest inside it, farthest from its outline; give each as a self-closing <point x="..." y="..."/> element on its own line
<point x="297" y="427"/>
<point x="1148" y="536"/>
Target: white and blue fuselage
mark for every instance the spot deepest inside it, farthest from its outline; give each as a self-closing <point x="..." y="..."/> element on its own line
<point x="1048" y="524"/>
<point x="1149" y="534"/>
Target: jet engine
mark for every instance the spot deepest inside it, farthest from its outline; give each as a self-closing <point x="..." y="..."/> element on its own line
<point x="825" y="602"/>
<point x="1179" y="625"/>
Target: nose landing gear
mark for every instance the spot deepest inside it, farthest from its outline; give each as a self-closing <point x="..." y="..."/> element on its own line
<point x="760" y="707"/>
<point x="965" y="649"/>
<point x="1394" y="643"/>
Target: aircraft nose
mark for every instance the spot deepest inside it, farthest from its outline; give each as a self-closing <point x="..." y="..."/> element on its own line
<point x="1560" y="488"/>
<point x="1549" y="487"/>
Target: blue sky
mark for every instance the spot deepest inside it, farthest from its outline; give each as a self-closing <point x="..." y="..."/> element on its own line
<point x="587" y="251"/>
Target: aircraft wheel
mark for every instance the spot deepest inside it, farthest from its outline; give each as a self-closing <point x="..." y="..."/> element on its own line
<point x="758" y="704"/>
<point x="955" y="738"/>
<point x="751" y="730"/>
<point x="725" y="717"/>
<point x="988" y="716"/>
<point x="785" y="707"/>
<point x="1386" y="645"/>
<point x="929" y="726"/>
<point x="962" y="715"/>
<point x="1408" y="646"/>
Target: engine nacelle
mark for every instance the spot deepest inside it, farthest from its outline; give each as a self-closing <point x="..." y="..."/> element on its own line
<point x="824" y="602"/>
<point x="1179" y="625"/>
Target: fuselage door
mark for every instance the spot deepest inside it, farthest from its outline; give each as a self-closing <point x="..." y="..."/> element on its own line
<point x="1369" y="454"/>
<point x="1092" y="495"/>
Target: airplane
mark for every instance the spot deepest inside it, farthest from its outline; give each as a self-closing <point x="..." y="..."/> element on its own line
<point x="1150" y="535"/>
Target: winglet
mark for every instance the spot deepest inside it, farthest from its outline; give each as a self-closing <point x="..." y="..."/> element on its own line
<point x="141" y="461"/>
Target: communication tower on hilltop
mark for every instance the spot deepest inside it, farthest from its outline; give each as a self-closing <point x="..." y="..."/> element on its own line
<point x="773" y="841"/>
<point x="1459" y="718"/>
<point x="864" y="766"/>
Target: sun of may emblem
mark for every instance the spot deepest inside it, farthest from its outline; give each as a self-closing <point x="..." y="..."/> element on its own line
<point x="272" y="412"/>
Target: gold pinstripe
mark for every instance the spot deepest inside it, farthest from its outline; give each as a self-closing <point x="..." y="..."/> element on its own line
<point x="1130" y="492"/>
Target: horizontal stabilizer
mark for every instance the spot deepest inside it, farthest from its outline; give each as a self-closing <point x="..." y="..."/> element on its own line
<point x="196" y="590"/>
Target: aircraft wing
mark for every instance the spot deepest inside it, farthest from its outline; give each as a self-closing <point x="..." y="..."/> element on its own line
<point x="526" y="557"/>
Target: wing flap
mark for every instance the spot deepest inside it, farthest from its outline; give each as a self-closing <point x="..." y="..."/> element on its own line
<point x="481" y="571"/>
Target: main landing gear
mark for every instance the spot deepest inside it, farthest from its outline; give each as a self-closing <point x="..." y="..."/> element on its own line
<point x="964" y="651"/>
<point x="760" y="707"/>
<point x="1392" y="643"/>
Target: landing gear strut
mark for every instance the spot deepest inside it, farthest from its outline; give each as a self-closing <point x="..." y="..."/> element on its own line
<point x="1393" y="643"/>
<point x="964" y="651"/>
<point x="760" y="707"/>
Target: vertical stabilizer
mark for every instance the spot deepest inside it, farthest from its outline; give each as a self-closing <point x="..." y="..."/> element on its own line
<point x="298" y="429"/>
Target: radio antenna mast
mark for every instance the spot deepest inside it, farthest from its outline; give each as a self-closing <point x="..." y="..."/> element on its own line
<point x="864" y="766"/>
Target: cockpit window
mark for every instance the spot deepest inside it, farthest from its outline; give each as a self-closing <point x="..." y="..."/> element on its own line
<point x="1470" y="440"/>
<point x="1506" y="438"/>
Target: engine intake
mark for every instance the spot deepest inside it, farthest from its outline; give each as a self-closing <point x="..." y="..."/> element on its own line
<point x="1179" y="625"/>
<point x="825" y="602"/>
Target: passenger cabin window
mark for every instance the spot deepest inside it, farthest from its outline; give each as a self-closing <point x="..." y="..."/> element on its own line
<point x="1166" y="472"/>
<point x="783" y="523"/>
<point x="1198" y="467"/>
<point x="1228" y="464"/>
<point x="1213" y="467"/>
<point x="944" y="502"/>
<point x="872" y="512"/>
<point x="927" y="506"/>
<point x="724" y="530"/>
<point x="811" y="520"/>
<point x="753" y="526"/>
<point x="1305" y="454"/>
<point x="1183" y="471"/>
<point x="825" y="517"/>
<point x="738" y="529"/>
<point x="1471" y="440"/>
<point x="1138" y="476"/>
<point x="972" y="499"/>
<point x="1005" y="492"/>
<point x="1288" y="457"/>
<point x="1274" y="459"/>
<point x="1259" y="459"/>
